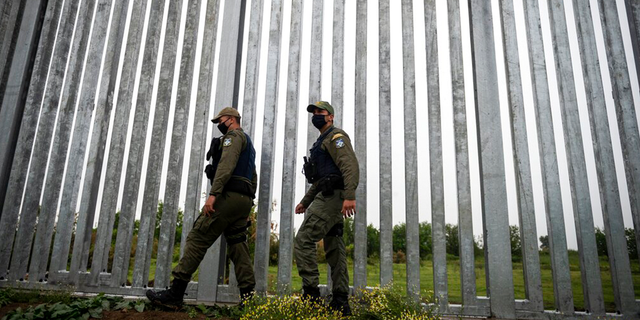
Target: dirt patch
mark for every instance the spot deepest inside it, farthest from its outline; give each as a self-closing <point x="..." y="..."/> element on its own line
<point x="122" y="314"/>
<point x="148" y="315"/>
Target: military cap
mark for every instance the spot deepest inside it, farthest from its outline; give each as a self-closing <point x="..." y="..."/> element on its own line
<point x="320" y="105"/>
<point x="228" y="111"/>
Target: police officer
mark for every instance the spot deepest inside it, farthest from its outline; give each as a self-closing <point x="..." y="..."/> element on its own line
<point x="334" y="173"/>
<point x="226" y="212"/>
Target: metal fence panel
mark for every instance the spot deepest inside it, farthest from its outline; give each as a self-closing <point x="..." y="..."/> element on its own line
<point x="74" y="79"/>
<point x="289" y="168"/>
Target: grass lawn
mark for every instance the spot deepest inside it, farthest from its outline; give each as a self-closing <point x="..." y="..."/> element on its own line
<point x="453" y="271"/>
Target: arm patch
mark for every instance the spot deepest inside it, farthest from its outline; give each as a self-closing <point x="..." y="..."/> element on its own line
<point x="336" y="136"/>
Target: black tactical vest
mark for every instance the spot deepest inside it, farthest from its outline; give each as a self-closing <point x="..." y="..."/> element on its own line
<point x="247" y="162"/>
<point x="325" y="166"/>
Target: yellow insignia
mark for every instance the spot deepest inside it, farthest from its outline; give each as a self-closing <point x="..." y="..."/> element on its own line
<point x="336" y="136"/>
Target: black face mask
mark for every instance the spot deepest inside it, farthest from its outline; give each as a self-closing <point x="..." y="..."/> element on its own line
<point x="318" y="121"/>
<point x="223" y="127"/>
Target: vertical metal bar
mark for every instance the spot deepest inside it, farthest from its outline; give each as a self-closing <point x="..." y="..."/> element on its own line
<point x="285" y="255"/>
<point x="608" y="185"/>
<point x="435" y="147"/>
<point x="120" y="267"/>
<point x="337" y="76"/>
<point x="575" y="157"/>
<point x="315" y="69"/>
<point x="33" y="106"/>
<point x="261" y="260"/>
<point x="495" y="212"/>
<point x="61" y="137"/>
<point x="630" y="138"/>
<point x="252" y="70"/>
<point x="11" y="12"/>
<point x="386" y="222"/>
<point x="633" y="18"/>
<point x="178" y="140"/>
<point x="116" y="146"/>
<point x="440" y="285"/>
<point x="75" y="162"/>
<point x="226" y="95"/>
<point x="203" y="101"/>
<point x="522" y="167"/>
<point x="13" y="104"/>
<point x="360" y="254"/>
<point x="337" y="62"/>
<point x="411" y="152"/>
<point x="199" y="144"/>
<point x="182" y="112"/>
<point x="465" y="217"/>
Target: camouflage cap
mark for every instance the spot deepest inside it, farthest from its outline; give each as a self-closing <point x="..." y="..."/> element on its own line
<point x="320" y="105"/>
<point x="228" y="111"/>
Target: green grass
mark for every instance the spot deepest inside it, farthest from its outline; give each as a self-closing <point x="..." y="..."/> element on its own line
<point x="453" y="279"/>
<point x="453" y="272"/>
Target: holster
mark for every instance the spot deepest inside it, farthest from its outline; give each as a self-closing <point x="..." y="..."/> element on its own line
<point x="330" y="183"/>
<point x="309" y="170"/>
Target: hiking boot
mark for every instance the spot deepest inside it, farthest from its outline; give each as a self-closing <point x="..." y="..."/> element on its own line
<point x="312" y="294"/>
<point x="170" y="297"/>
<point x="340" y="303"/>
<point x="246" y="295"/>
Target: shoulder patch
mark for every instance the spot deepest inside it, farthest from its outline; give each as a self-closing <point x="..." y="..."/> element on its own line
<point x="336" y="136"/>
<point x="227" y="142"/>
<point x="339" y="143"/>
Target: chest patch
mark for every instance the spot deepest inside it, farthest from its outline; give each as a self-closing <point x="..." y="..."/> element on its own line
<point x="339" y="143"/>
<point x="227" y="142"/>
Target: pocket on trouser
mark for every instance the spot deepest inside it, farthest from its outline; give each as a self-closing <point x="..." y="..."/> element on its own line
<point x="313" y="228"/>
<point x="202" y="223"/>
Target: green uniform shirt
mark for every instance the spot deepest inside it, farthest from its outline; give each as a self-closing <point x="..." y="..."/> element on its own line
<point x="338" y="145"/>
<point x="233" y="143"/>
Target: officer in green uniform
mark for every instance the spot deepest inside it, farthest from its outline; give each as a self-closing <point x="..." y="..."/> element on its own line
<point x="226" y="212"/>
<point x="334" y="173"/>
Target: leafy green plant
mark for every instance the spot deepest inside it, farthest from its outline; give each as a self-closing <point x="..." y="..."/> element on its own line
<point x="5" y="297"/>
<point x="76" y="309"/>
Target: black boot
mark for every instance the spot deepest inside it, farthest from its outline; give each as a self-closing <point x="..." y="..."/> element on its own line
<point x="340" y="302"/>
<point x="170" y="297"/>
<point x="246" y="294"/>
<point x="311" y="293"/>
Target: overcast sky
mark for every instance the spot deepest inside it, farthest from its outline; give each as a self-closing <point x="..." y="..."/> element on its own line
<point x="397" y="138"/>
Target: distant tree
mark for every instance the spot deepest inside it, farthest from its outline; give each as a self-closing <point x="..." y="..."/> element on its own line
<point x="373" y="241"/>
<point x="630" y="234"/>
<point x="426" y="241"/>
<point x="451" y="236"/>
<point x="516" y="243"/>
<point x="400" y="237"/>
<point x="544" y="242"/>
<point x="601" y="242"/>
<point x="349" y="232"/>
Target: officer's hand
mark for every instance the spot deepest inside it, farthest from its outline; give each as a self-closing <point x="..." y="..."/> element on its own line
<point x="348" y="208"/>
<point x="208" y="206"/>
<point x="300" y="208"/>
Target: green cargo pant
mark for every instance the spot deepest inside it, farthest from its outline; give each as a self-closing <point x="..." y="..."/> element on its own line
<point x="322" y="215"/>
<point x="230" y="218"/>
